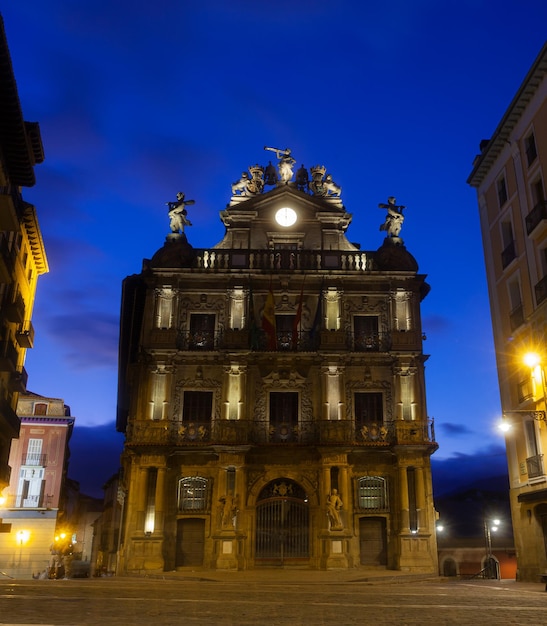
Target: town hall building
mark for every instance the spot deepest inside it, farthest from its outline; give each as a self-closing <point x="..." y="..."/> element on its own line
<point x="272" y="390"/>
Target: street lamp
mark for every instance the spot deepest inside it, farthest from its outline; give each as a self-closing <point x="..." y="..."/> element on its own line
<point x="492" y="567"/>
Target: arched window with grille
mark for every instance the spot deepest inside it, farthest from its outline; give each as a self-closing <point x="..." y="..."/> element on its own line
<point x="373" y="493"/>
<point x="193" y="494"/>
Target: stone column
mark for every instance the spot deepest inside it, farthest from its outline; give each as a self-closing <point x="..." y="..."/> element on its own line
<point x="140" y="484"/>
<point x="420" y="499"/>
<point x="404" y="500"/>
<point x="160" y="500"/>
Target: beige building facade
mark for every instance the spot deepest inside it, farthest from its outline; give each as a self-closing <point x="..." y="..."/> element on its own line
<point x="22" y="253"/>
<point x="510" y="177"/>
<point x="272" y="390"/>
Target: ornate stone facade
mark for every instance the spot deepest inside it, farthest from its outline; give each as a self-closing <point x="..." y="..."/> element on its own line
<point x="272" y="394"/>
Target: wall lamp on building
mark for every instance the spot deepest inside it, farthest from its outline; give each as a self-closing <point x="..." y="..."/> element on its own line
<point x="22" y="537"/>
<point x="506" y="422"/>
<point x="534" y="362"/>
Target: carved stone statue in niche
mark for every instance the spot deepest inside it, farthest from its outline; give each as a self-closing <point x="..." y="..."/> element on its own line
<point x="334" y="504"/>
<point x="228" y="510"/>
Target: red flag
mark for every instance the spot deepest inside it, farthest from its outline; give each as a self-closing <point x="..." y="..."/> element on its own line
<point x="268" y="320"/>
<point x="297" y="319"/>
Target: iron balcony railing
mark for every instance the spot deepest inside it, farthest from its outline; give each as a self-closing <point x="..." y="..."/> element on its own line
<point x="541" y="290"/>
<point x="22" y="501"/>
<point x="34" y="459"/>
<point x="534" y="466"/>
<point x="284" y="341"/>
<point x="263" y="432"/>
<point x="536" y="216"/>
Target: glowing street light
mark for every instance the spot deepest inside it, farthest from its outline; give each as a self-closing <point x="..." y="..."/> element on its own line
<point x="492" y="567"/>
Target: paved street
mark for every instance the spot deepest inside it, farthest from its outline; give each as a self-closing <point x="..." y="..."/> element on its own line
<point x="242" y="598"/>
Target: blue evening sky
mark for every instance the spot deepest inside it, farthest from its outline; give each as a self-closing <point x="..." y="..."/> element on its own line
<point x="138" y="100"/>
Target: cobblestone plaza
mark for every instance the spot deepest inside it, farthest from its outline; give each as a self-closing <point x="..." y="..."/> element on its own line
<point x="274" y="598"/>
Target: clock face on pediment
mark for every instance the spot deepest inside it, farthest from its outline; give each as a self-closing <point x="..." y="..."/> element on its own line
<point x="286" y="216"/>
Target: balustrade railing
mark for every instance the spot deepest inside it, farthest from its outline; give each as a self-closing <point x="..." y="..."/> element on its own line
<point x="285" y="341"/>
<point x="218" y="259"/>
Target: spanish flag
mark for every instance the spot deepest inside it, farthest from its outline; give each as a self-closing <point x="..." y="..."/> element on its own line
<point x="268" y="320"/>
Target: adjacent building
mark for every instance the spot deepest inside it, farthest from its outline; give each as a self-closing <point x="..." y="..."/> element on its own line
<point x="272" y="392"/>
<point x="22" y="254"/>
<point x="510" y="177"/>
<point x="34" y="500"/>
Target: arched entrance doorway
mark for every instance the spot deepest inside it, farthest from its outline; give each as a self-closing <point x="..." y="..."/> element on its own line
<point x="282" y="524"/>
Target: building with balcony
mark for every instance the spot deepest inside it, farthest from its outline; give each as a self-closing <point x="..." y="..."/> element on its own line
<point x="22" y="254"/>
<point x="510" y="175"/>
<point x="272" y="393"/>
<point x="33" y="502"/>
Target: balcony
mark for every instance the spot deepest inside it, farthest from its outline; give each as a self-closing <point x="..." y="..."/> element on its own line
<point x="22" y="501"/>
<point x="15" y="310"/>
<point x="285" y="341"/>
<point x="7" y="261"/>
<point x="534" y="466"/>
<point x="10" y="201"/>
<point x="18" y="381"/>
<point x="9" y="422"/>
<point x="9" y="356"/>
<point x="33" y="459"/>
<point x="25" y="335"/>
<point x="406" y="340"/>
<point x="163" y="337"/>
<point x="525" y="390"/>
<point x="541" y="290"/>
<point x="508" y="255"/>
<point x="256" y="432"/>
<point x="536" y="216"/>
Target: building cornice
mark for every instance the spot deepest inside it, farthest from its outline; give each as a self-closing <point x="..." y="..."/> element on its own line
<point x="501" y="137"/>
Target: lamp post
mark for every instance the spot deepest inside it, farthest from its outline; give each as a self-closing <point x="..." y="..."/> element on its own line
<point x="492" y="567"/>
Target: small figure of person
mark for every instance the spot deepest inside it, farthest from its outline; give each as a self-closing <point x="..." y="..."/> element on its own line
<point x="334" y="504"/>
<point x="177" y="213"/>
<point x="394" y="218"/>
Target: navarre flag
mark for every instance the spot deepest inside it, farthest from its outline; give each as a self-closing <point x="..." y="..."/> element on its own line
<point x="268" y="320"/>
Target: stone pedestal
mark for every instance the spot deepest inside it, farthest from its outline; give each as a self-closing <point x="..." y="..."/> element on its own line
<point x="335" y="550"/>
<point x="416" y="553"/>
<point x="227" y="550"/>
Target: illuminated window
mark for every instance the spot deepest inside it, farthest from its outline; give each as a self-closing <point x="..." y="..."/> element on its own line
<point x="372" y="493"/>
<point x="193" y="494"/>
<point x="202" y="331"/>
